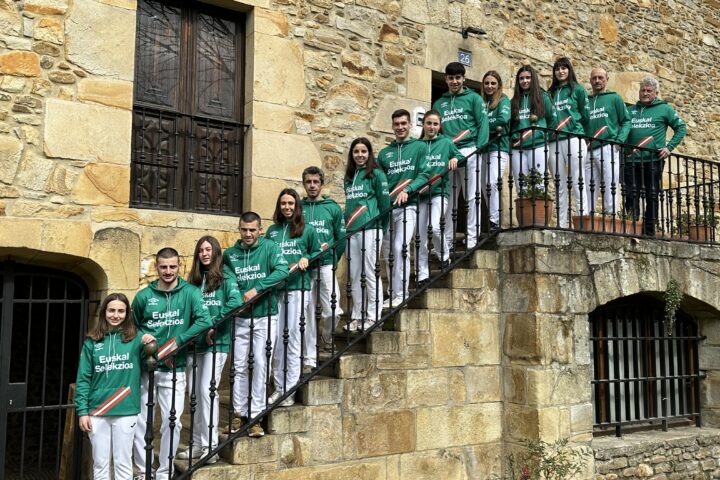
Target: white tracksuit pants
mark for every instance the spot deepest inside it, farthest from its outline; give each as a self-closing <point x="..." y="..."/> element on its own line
<point x="430" y="212"/>
<point x="286" y="358"/>
<point x="493" y="170"/>
<point x="164" y="396"/>
<point x="470" y="189"/>
<point x="403" y="224"/>
<point x="363" y="255"/>
<point x="204" y="374"/>
<point x="569" y="164"/>
<point x="603" y="170"/>
<point x="525" y="160"/>
<point x="112" y="437"/>
<point x="241" y="350"/>
<point x="321" y="294"/>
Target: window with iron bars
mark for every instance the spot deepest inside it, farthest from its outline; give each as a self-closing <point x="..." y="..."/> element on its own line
<point x="643" y="377"/>
<point x="187" y="131"/>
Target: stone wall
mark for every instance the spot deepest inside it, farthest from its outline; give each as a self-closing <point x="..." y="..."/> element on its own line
<point x="679" y="454"/>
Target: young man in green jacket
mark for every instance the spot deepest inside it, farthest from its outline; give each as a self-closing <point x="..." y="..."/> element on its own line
<point x="609" y="121"/>
<point x="258" y="264"/>
<point x="650" y="118"/>
<point x="402" y="163"/>
<point x="326" y="216"/>
<point x="173" y="311"/>
<point x="464" y="119"/>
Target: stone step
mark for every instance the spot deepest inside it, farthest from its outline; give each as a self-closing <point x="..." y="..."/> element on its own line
<point x="354" y="365"/>
<point x="471" y="300"/>
<point x="247" y="451"/>
<point x="220" y="470"/>
<point x="321" y="391"/>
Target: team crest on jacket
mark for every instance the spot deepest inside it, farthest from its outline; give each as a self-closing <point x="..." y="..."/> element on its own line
<point x="234" y="257"/>
<point x="152" y="301"/>
<point x="99" y="346"/>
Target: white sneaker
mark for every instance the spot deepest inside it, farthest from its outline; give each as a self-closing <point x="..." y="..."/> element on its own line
<point x="197" y="452"/>
<point x="288" y="402"/>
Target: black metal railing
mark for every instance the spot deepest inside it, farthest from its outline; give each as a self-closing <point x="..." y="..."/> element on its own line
<point x="645" y="370"/>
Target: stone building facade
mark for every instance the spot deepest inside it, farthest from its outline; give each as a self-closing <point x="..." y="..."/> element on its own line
<point x="316" y="74"/>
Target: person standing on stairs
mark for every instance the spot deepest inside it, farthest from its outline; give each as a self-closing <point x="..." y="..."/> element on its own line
<point x="402" y="163"/>
<point x="366" y="196"/>
<point x="326" y="216"/>
<point x="204" y="367"/>
<point x="299" y="244"/>
<point x="465" y="121"/>
<point x="258" y="264"/>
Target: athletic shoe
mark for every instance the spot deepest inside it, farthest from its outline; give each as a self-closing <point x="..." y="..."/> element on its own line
<point x="256" y="431"/>
<point x="395" y="302"/>
<point x="236" y="424"/>
<point x="288" y="402"/>
<point x="353" y="326"/>
<point x="197" y="452"/>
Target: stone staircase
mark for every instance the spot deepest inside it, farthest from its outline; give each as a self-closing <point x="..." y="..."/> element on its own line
<point x="419" y="399"/>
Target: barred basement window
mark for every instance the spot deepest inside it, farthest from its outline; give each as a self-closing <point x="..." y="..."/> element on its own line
<point x="187" y="142"/>
<point x="642" y="377"/>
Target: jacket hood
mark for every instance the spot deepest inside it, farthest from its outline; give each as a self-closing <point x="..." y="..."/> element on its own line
<point x="180" y="285"/>
<point x="654" y="103"/>
<point x="325" y="200"/>
<point x="407" y="141"/>
<point x="439" y="136"/>
<point x="465" y="91"/>
<point x="261" y="240"/>
<point x="604" y="92"/>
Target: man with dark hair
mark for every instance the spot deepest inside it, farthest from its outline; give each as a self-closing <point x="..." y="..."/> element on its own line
<point x="327" y="217"/>
<point x="402" y="162"/>
<point x="258" y="264"/>
<point x="650" y="118"/>
<point x="464" y="119"/>
<point x="172" y="311"/>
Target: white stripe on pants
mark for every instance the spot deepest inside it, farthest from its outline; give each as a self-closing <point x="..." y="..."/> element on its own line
<point x="241" y="350"/>
<point x="470" y="189"/>
<point x="163" y="395"/>
<point x="363" y="254"/>
<point x="204" y="373"/>
<point x="435" y="208"/>
<point x="288" y="357"/>
<point x="571" y="155"/>
<point x="328" y="286"/>
<point x="603" y="170"/>
<point x="403" y="225"/>
<point x="493" y="170"/>
<point x="112" y="437"/>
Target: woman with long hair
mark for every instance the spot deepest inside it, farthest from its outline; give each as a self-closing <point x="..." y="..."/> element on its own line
<point x="221" y="296"/>
<point x="442" y="158"/>
<point x="107" y="390"/>
<point x="530" y="107"/>
<point x="568" y="155"/>
<point x="299" y="243"/>
<point x="366" y="197"/>
<point x="497" y="151"/>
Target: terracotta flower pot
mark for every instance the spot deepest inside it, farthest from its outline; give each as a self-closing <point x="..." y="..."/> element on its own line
<point x="538" y="214"/>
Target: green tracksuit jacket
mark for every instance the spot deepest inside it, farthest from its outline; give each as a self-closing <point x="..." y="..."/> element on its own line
<point x="260" y="266"/>
<point x="108" y="378"/>
<point x="499" y="117"/>
<point x="178" y="314"/>
<point x="438" y="153"/>
<point x="571" y="108"/>
<point x="648" y="129"/>
<point x="464" y="118"/>
<point x="365" y="198"/>
<point x="327" y="217"/>
<point x="402" y="164"/>
<point x="530" y="139"/>
<point x="609" y="118"/>
<point x="219" y="303"/>
<point x="306" y="245"/>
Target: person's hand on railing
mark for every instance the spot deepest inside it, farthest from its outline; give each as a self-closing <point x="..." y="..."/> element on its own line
<point x="210" y="336"/>
<point x="663" y="153"/>
<point x="250" y="294"/>
<point x="452" y="164"/>
<point x="303" y="264"/>
<point x="147" y="338"/>
<point x="401" y="198"/>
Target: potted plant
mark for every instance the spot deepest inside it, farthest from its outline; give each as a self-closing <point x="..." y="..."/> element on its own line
<point x="627" y="223"/>
<point x="698" y="227"/>
<point x="533" y="207"/>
